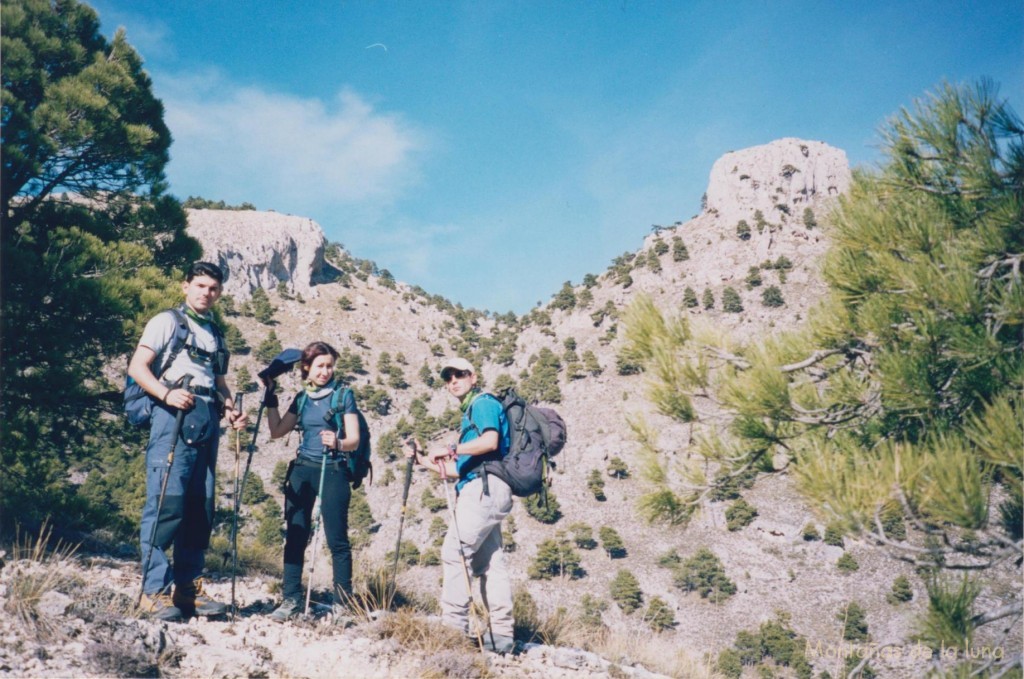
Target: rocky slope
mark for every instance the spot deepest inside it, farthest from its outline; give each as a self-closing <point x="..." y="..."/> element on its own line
<point x="782" y="191"/>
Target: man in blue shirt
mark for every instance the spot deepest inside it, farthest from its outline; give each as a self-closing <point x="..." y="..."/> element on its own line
<point x="474" y="541"/>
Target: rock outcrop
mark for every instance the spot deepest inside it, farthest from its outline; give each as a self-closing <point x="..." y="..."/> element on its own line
<point x="262" y="249"/>
<point x="778" y="178"/>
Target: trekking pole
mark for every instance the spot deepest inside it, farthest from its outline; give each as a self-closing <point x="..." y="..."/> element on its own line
<point x="401" y="521"/>
<point x="252" y="446"/>
<point x="234" y="516"/>
<point x="317" y="512"/>
<point x="178" y="420"/>
<point x="441" y="466"/>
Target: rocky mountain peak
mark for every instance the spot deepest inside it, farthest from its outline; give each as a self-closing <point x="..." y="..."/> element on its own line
<point x="778" y="178"/>
<point x="262" y="249"/>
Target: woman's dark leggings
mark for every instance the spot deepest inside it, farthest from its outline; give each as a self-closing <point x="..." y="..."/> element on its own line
<point x="299" y="496"/>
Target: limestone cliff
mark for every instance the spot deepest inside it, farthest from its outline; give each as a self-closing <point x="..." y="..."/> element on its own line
<point x="262" y="249"/>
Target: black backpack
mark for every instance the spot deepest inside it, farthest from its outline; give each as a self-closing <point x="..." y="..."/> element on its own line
<point x="535" y="436"/>
<point x="138" y="405"/>
<point x="359" y="465"/>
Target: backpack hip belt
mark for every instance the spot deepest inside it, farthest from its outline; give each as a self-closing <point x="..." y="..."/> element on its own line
<point x="339" y="460"/>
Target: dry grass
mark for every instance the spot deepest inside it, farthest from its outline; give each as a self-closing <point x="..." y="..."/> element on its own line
<point x="415" y="633"/>
<point x="253" y="557"/>
<point x="35" y="570"/>
<point x="447" y="653"/>
<point x="655" y="653"/>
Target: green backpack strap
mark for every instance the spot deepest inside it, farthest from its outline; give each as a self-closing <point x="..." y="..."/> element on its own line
<point x="336" y="397"/>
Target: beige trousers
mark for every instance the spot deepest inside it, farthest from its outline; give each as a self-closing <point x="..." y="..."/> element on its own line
<point x="478" y="518"/>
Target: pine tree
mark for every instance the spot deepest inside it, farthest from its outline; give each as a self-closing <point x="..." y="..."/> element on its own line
<point x="549" y="512"/>
<point x="904" y="385"/>
<point x="234" y="340"/>
<point x="743" y="229"/>
<point x="268" y="348"/>
<point x="809" y="220"/>
<point x="772" y="297"/>
<point x="659" y="615"/>
<point x="565" y="299"/>
<point x="708" y="300"/>
<point x="626" y="591"/>
<point x="704" y="574"/>
<point x="690" y="298"/>
<point x="555" y="558"/>
<point x="595" y="483"/>
<point x="583" y="536"/>
<point x="612" y="542"/>
<point x="680" y="253"/>
<point x="79" y="280"/>
<point x="590" y="364"/>
<point x="244" y="382"/>
<point x="731" y="301"/>
<point x="262" y="310"/>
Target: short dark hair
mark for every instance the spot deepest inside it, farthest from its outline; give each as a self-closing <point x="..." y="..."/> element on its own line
<point x="309" y="354"/>
<point x="205" y="269"/>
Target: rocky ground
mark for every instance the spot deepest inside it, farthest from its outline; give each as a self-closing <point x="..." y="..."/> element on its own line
<point x="68" y="615"/>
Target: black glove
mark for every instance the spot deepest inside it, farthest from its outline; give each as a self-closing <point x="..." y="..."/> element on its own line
<point x="270" y="399"/>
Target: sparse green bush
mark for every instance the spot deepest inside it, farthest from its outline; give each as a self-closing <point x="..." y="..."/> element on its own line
<point x="583" y="535"/>
<point x="254" y="492"/>
<point x="626" y="591"/>
<point x="268" y="348"/>
<point x="612" y="542"/>
<point x="279" y="475"/>
<point x="708" y="300"/>
<point x="731" y="302"/>
<point x="739" y="515"/>
<point x="553" y="559"/>
<point x="901" y="591"/>
<point x="892" y="522"/>
<point x="704" y="574"/>
<point x="847" y="564"/>
<point x="408" y="554"/>
<point x="591" y="609"/>
<point x="809" y="220"/>
<point x="753" y="278"/>
<point x="743" y="229"/>
<point x="679" y="251"/>
<point x="773" y="640"/>
<point x="854" y="621"/>
<point x="658" y="615"/>
<point x="833" y="535"/>
<point x="690" y="298"/>
<point x="431" y="502"/>
<point x="811" y="533"/>
<point x="269" y="531"/>
<point x="772" y="297"/>
<point x="617" y="469"/>
<point x="549" y="512"/>
<point x="670" y="559"/>
<point x="595" y="484"/>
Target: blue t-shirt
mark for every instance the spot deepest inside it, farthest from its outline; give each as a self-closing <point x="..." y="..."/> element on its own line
<point x="312" y="421"/>
<point x="487" y="415"/>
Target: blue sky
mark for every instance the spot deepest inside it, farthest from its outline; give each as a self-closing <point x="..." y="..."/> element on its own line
<point x="489" y="151"/>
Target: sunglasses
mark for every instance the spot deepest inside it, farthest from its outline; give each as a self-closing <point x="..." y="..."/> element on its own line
<point x="456" y="375"/>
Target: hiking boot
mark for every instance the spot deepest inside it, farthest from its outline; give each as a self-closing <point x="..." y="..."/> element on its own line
<point x="289" y="608"/>
<point x="499" y="644"/>
<point x="160" y="607"/>
<point x="192" y="600"/>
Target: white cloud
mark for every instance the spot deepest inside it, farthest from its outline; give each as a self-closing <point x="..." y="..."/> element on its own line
<point x="284" y="152"/>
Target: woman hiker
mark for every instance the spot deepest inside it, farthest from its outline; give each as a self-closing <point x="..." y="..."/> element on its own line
<point x="320" y="462"/>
